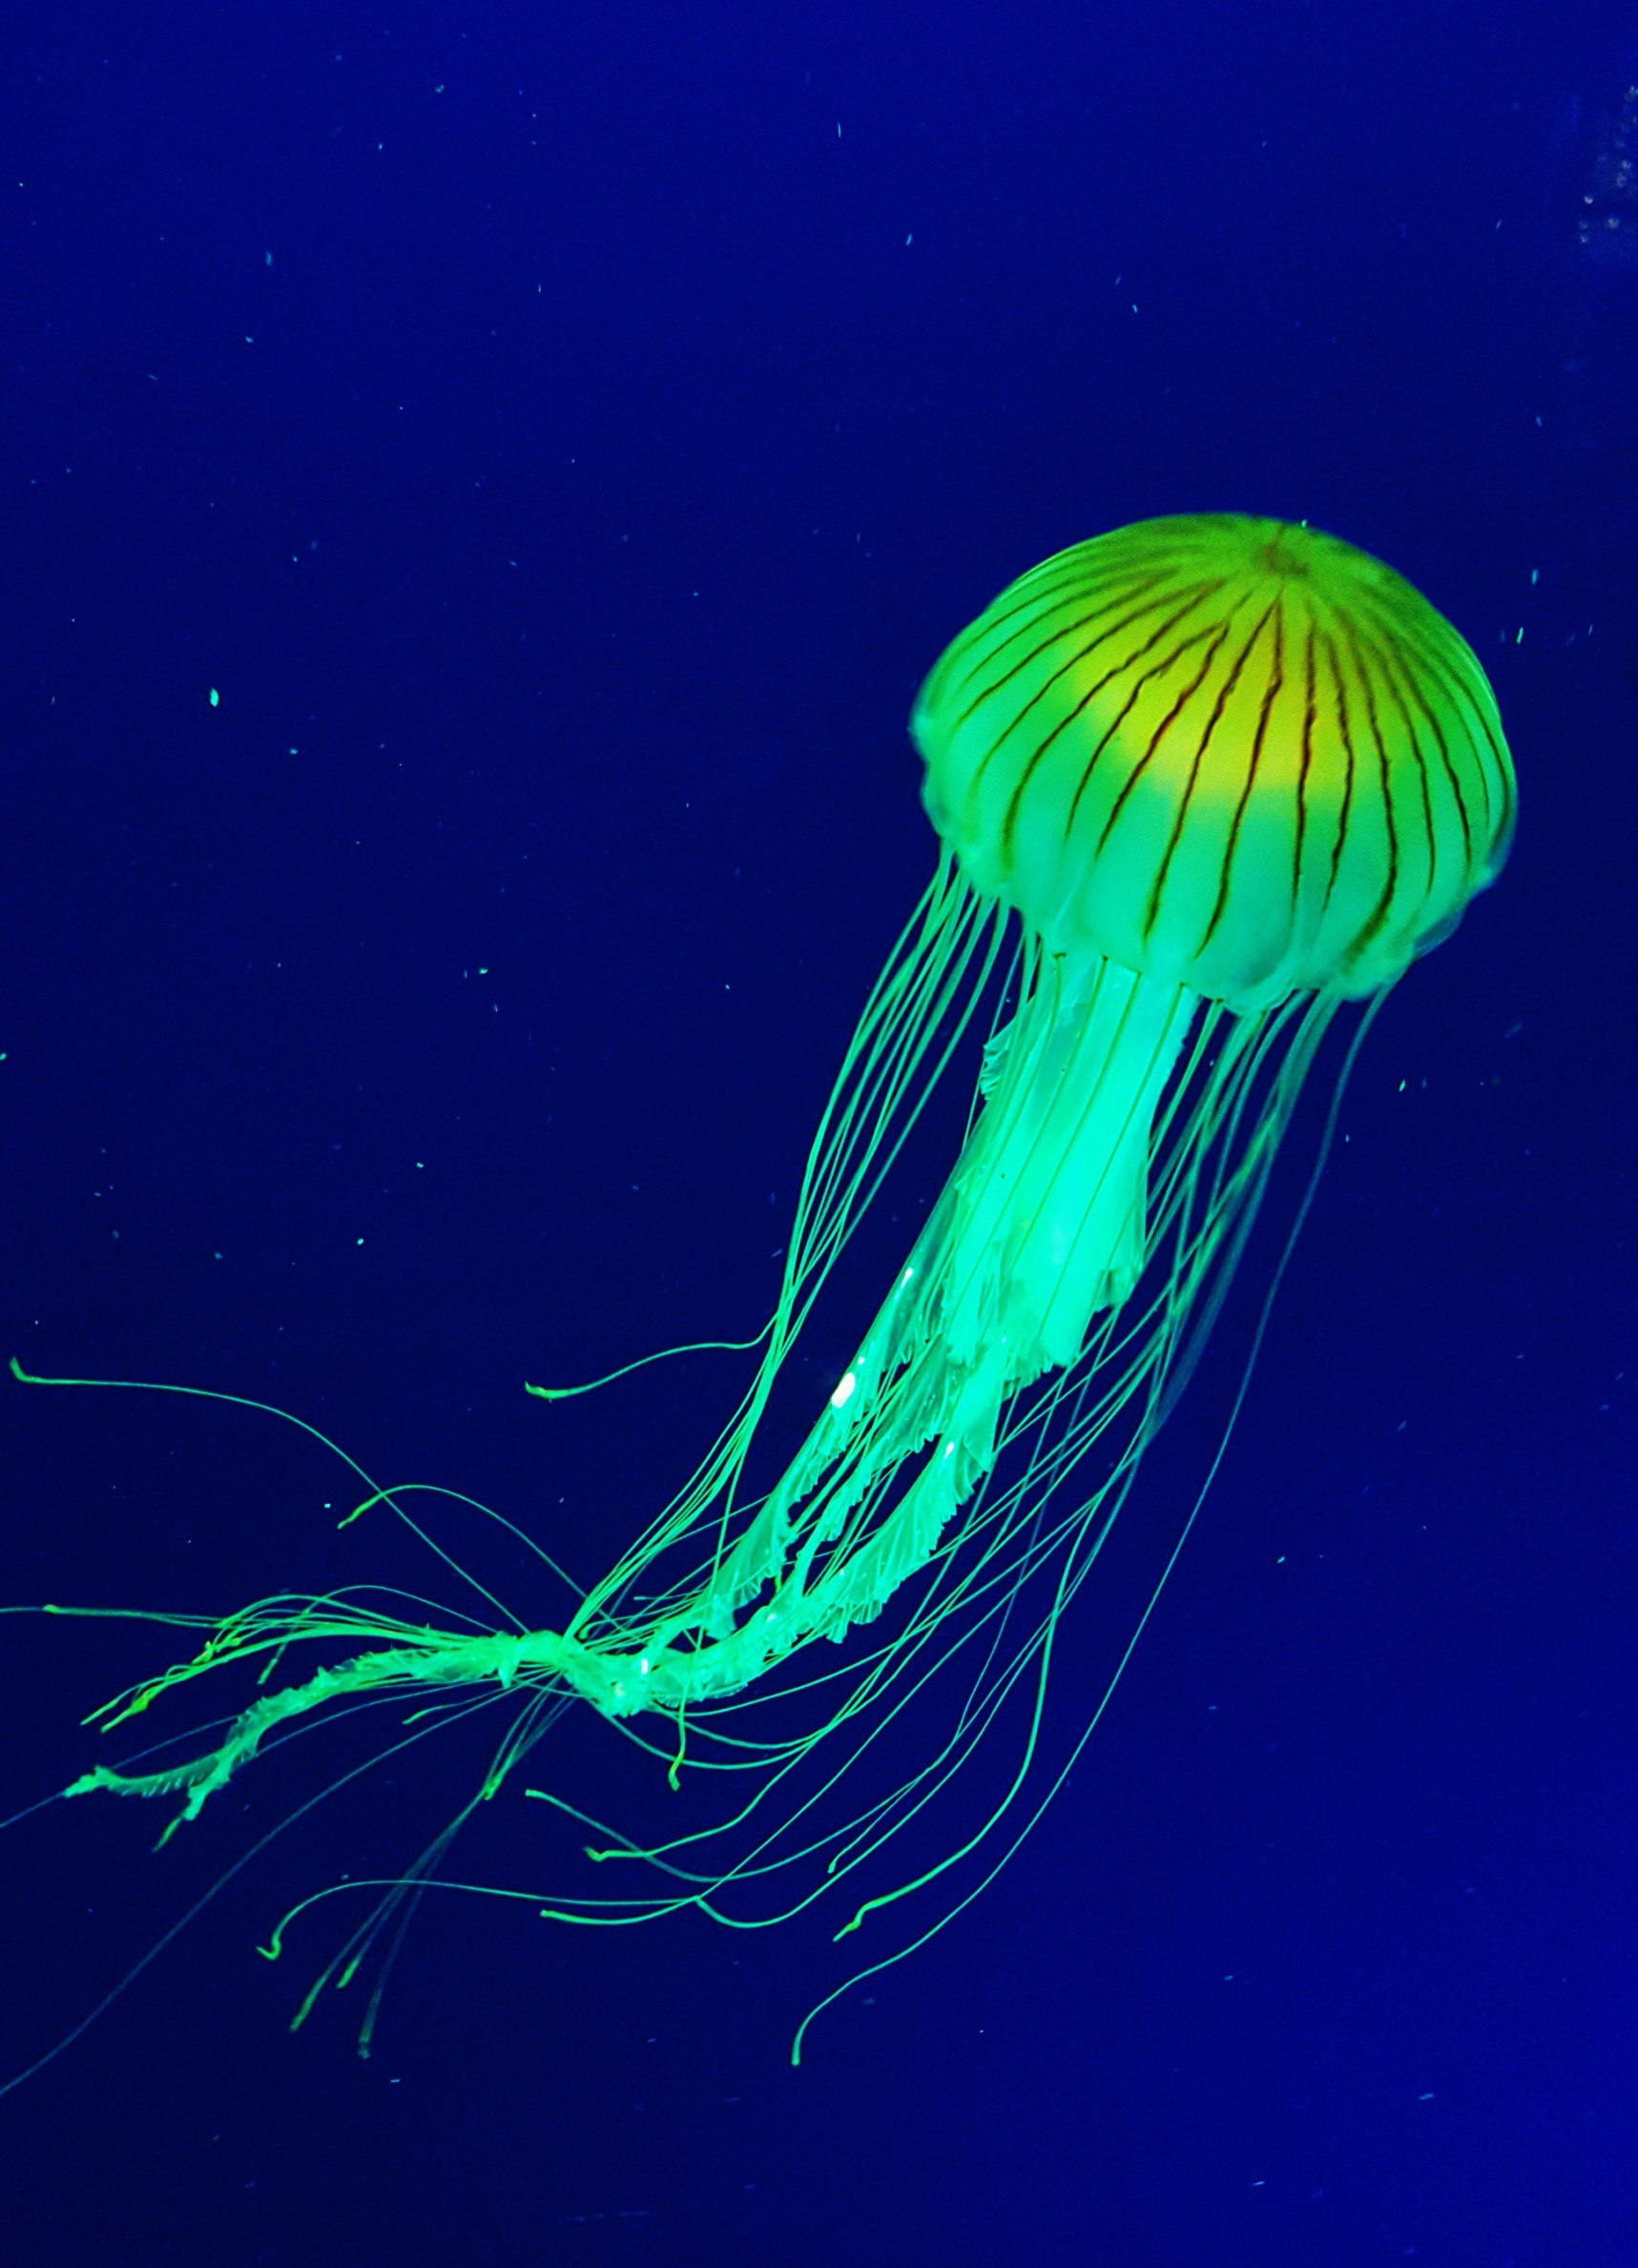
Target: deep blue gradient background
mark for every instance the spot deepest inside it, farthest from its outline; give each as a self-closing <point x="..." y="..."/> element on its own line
<point x="563" y="437"/>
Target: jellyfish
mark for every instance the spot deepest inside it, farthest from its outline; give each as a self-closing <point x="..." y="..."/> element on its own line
<point x="1197" y="783"/>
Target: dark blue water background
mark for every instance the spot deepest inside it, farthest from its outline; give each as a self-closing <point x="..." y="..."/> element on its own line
<point x="562" y="437"/>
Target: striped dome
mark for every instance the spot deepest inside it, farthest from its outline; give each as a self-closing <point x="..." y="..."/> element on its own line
<point x="1232" y="753"/>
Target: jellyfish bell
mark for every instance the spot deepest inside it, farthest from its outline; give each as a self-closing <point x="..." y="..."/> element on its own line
<point x="1233" y="754"/>
<point x="1197" y="782"/>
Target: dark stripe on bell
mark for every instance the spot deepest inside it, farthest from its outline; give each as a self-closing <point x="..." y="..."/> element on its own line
<point x="1271" y="694"/>
<point x="1224" y="694"/>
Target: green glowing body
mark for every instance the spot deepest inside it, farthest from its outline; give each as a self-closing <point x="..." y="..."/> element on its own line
<point x="1199" y="782"/>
